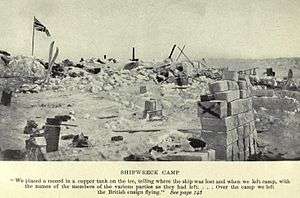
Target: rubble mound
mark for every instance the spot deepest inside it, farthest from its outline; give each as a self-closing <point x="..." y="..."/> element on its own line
<point x="22" y="66"/>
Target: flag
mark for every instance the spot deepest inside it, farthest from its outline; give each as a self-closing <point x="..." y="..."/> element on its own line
<point x="37" y="25"/>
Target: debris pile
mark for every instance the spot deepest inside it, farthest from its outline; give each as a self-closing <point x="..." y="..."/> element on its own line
<point x="80" y="141"/>
<point x="94" y="75"/>
<point x="21" y="70"/>
<point x="23" y="67"/>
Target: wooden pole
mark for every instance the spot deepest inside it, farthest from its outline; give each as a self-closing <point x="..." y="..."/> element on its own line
<point x="137" y="130"/>
<point x="32" y="41"/>
<point x="186" y="57"/>
<point x="170" y="56"/>
<point x="133" y="54"/>
<point x="180" y="53"/>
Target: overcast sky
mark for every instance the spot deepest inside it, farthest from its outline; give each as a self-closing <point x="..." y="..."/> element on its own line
<point x="208" y="28"/>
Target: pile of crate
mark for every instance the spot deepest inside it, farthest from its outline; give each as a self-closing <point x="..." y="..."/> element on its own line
<point x="227" y="118"/>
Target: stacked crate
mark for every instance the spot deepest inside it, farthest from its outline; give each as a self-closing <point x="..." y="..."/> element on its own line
<point x="227" y="118"/>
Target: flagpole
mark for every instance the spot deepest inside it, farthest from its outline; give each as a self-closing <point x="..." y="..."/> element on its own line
<point x="32" y="46"/>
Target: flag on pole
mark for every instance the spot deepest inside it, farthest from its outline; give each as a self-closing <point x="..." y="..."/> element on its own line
<point x="37" y="25"/>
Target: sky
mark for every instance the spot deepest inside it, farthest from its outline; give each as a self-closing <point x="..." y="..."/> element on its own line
<point x="214" y="29"/>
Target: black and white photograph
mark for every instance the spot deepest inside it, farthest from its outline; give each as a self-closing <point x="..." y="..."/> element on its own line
<point x="149" y="80"/>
